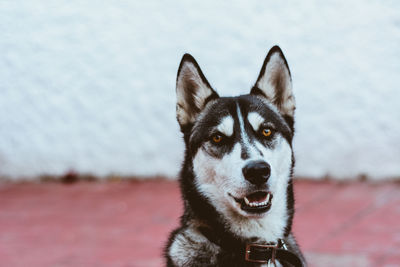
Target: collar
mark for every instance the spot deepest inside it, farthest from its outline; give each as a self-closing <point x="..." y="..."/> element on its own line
<point x="253" y="252"/>
<point x="270" y="253"/>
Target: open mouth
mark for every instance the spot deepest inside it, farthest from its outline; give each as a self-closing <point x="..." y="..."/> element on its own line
<point x="257" y="202"/>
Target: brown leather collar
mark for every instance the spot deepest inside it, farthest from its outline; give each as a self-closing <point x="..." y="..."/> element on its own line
<point x="257" y="253"/>
<point x="270" y="253"/>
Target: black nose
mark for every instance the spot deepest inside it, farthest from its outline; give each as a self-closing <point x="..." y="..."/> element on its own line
<point x="257" y="172"/>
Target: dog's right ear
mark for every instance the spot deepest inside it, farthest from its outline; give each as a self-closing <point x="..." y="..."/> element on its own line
<point x="275" y="83"/>
<point x="192" y="91"/>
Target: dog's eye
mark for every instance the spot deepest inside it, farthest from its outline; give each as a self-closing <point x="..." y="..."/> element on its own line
<point x="216" y="138"/>
<point x="266" y="132"/>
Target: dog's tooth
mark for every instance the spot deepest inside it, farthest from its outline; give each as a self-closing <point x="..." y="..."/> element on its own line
<point x="257" y="204"/>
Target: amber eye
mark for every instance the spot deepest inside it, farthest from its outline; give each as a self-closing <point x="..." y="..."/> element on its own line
<point x="217" y="138"/>
<point x="266" y="132"/>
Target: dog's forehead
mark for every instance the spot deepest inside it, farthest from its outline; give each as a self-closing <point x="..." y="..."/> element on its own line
<point x="224" y="111"/>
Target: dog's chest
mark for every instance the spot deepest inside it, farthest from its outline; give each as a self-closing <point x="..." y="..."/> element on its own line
<point x="190" y="246"/>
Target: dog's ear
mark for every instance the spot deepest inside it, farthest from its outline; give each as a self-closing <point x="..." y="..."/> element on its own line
<point x="275" y="83"/>
<point x="192" y="91"/>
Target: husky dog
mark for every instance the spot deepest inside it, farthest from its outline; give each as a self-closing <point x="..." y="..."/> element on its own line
<point x="236" y="179"/>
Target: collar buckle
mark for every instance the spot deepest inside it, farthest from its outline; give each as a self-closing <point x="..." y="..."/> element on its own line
<point x="261" y="253"/>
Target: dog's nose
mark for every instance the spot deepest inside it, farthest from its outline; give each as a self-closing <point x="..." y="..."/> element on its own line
<point x="257" y="172"/>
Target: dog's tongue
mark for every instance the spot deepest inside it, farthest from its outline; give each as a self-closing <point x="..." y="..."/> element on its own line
<point x="257" y="197"/>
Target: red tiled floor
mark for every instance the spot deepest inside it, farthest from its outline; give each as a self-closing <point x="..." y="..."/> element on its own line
<point x="126" y="223"/>
<point x="334" y="210"/>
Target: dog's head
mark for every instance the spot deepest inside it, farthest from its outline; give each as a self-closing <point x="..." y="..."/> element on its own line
<point x="239" y="147"/>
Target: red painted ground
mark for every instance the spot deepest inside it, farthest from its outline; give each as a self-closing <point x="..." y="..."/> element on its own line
<point x="126" y="223"/>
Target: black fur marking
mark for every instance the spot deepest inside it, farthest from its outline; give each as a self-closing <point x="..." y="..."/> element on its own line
<point x="204" y="128"/>
<point x="250" y="103"/>
<point x="247" y="104"/>
<point x="257" y="91"/>
<point x="290" y="200"/>
<point x="290" y="121"/>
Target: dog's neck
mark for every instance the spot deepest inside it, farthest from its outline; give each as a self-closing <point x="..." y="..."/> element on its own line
<point x="222" y="232"/>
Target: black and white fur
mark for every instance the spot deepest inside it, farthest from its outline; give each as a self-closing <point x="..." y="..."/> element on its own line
<point x="214" y="227"/>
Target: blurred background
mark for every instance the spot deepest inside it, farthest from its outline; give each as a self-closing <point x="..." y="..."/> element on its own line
<point x="87" y="88"/>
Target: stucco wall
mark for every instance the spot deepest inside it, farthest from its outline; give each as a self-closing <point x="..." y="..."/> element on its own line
<point x="89" y="85"/>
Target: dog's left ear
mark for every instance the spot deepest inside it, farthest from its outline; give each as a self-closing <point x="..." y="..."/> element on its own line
<point x="193" y="92"/>
<point x="275" y="83"/>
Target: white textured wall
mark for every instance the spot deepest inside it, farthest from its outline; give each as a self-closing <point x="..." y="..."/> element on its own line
<point x="89" y="85"/>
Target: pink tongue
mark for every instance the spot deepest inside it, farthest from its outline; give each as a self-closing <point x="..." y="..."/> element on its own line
<point x="257" y="197"/>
